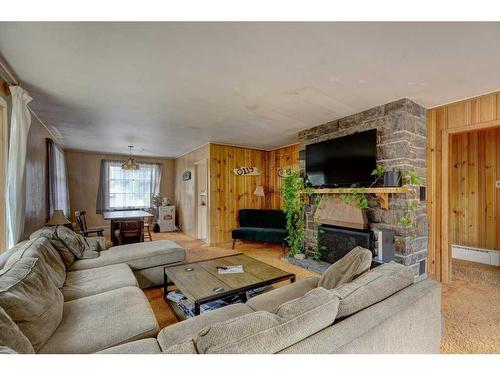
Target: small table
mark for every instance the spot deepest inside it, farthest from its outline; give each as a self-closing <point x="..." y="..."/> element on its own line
<point x="115" y="216"/>
<point x="200" y="281"/>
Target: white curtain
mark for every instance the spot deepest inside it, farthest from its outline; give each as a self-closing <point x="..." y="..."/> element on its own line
<point x="18" y="138"/>
<point x="58" y="179"/>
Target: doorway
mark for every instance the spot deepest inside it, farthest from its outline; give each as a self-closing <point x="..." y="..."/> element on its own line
<point x="201" y="180"/>
<point x="475" y="196"/>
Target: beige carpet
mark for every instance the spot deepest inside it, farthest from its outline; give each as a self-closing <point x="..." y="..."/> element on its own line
<point x="470" y="304"/>
<point x="471" y="309"/>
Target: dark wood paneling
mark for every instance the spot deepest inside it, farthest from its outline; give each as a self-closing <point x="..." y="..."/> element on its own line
<point x="36" y="178"/>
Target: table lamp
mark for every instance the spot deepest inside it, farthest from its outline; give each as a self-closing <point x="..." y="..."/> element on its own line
<point x="259" y="191"/>
<point x="58" y="218"/>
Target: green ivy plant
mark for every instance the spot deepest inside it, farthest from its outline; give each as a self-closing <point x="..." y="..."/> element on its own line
<point x="295" y="200"/>
<point x="411" y="182"/>
<point x="358" y="196"/>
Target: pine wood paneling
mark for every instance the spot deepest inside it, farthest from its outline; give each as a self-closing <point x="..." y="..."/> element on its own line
<point x="185" y="191"/>
<point x="475" y="199"/>
<point x="285" y="157"/>
<point x="228" y="192"/>
<point x="462" y="164"/>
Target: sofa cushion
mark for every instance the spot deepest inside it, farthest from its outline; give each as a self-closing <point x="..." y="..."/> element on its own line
<point x="31" y="299"/>
<point x="4" y="256"/>
<point x="354" y="263"/>
<point x="98" y="322"/>
<point x="41" y="248"/>
<point x="137" y="256"/>
<point x="12" y="337"/>
<point x="271" y="300"/>
<point x="259" y="234"/>
<point x="372" y="287"/>
<point x="266" y="333"/>
<point x="93" y="281"/>
<point x="144" y="346"/>
<point x="179" y="332"/>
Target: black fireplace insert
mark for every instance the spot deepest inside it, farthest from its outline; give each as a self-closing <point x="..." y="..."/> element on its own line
<point x="335" y="242"/>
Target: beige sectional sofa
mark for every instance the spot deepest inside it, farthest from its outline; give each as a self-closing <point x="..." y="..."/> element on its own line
<point x="49" y="306"/>
<point x="99" y="308"/>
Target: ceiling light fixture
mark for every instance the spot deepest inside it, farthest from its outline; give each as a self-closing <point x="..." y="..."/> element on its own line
<point x="130" y="164"/>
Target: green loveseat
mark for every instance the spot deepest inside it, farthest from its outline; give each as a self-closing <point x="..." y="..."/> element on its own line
<point x="262" y="226"/>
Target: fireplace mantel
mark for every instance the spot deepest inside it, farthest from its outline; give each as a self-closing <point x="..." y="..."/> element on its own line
<point x="382" y="193"/>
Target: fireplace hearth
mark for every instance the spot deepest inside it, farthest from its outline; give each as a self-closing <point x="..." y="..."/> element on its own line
<point x="335" y="242"/>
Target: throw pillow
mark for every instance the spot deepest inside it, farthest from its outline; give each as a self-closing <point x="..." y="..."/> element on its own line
<point x="41" y="248"/>
<point x="372" y="287"/>
<point x="31" y="299"/>
<point x="354" y="263"/>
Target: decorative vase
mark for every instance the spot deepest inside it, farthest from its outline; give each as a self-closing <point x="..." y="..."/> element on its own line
<point x="392" y="179"/>
<point x="300" y="256"/>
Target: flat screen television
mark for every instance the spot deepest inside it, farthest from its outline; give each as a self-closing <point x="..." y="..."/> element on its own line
<point x="343" y="161"/>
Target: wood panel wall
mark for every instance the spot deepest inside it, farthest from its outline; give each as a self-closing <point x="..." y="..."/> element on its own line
<point x="443" y="122"/>
<point x="185" y="191"/>
<point x="475" y="201"/>
<point x="83" y="181"/>
<point x="282" y="158"/>
<point x="36" y="178"/>
<point x="228" y="192"/>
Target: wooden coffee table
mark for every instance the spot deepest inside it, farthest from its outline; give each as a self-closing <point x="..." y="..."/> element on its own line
<point x="200" y="281"/>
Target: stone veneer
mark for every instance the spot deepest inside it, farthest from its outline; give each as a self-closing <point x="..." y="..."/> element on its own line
<point x="401" y="145"/>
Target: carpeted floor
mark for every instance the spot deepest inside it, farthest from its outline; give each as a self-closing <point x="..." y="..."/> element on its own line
<point x="471" y="309"/>
<point x="470" y="304"/>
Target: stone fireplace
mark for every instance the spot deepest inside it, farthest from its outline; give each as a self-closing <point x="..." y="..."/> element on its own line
<point x="401" y="145"/>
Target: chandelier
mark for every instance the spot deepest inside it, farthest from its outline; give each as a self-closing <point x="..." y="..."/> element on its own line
<point x="130" y="164"/>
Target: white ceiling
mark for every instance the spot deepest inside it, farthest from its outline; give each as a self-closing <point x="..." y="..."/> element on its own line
<point x="167" y="88"/>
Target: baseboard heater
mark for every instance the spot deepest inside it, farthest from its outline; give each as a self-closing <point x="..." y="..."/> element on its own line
<point x="475" y="254"/>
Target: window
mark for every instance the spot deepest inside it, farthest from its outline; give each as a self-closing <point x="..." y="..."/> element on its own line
<point x="127" y="189"/>
<point x="130" y="189"/>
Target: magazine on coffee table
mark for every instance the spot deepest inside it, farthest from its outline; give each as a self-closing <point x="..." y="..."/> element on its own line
<point x="230" y="269"/>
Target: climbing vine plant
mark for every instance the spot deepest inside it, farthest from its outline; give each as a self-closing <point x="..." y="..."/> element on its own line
<point x="295" y="200"/>
<point x="411" y="182"/>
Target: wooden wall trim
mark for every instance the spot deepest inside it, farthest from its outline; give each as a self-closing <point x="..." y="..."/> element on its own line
<point x="479" y="113"/>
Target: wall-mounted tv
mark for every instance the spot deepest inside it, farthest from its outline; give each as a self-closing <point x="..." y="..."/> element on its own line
<point x="343" y="161"/>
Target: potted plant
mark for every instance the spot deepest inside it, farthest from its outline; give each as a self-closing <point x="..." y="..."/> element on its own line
<point x="390" y="178"/>
<point x="295" y="200"/>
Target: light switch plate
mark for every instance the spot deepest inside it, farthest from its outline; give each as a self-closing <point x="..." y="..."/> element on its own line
<point x="497" y="184"/>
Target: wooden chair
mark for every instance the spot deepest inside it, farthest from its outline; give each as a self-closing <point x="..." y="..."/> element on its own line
<point x="148" y="223"/>
<point x="130" y="231"/>
<point x="82" y="224"/>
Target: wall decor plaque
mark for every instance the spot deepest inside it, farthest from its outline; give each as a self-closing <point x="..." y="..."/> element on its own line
<point x="247" y="171"/>
<point x="186" y="176"/>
